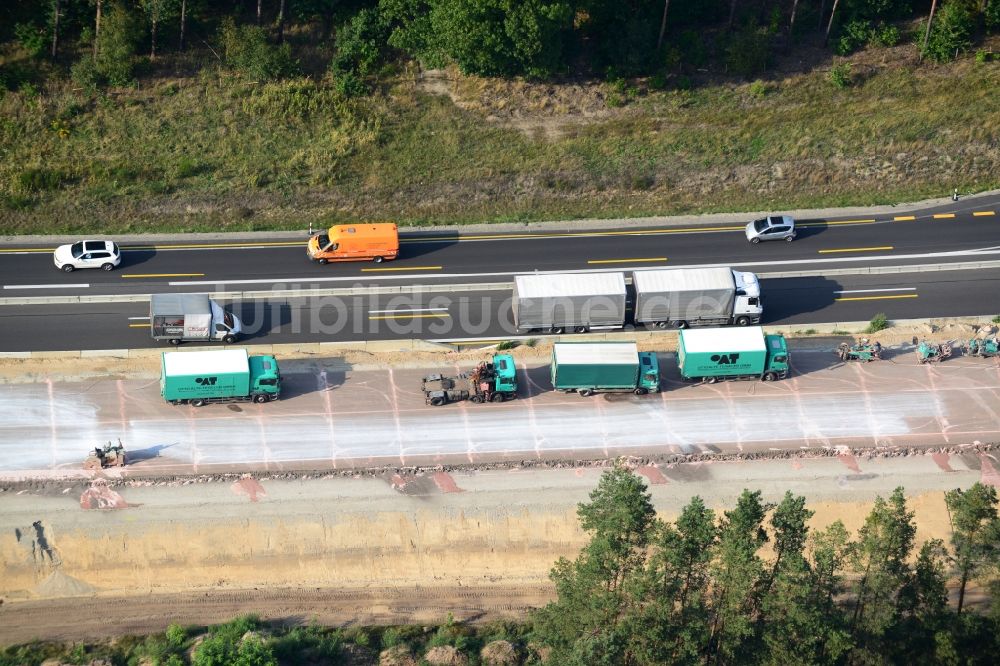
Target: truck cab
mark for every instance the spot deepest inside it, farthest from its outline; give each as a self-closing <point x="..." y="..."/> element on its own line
<point x="777" y="356"/>
<point x="747" y="308"/>
<point x="505" y="374"/>
<point x="649" y="372"/>
<point x="265" y="378"/>
<point x="355" y="242"/>
<point x="225" y="325"/>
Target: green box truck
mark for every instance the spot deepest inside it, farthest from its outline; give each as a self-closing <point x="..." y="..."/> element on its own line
<point x="712" y="354"/>
<point x="604" y="367"/>
<point x="228" y="375"/>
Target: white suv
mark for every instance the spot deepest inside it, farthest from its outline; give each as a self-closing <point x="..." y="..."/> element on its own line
<point x="87" y="254"/>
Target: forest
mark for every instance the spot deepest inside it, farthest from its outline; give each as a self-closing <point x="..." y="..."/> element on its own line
<point x="244" y="115"/>
<point x="540" y="39"/>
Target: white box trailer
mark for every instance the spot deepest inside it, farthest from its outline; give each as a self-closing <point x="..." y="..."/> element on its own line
<point x="181" y="317"/>
<point x="577" y="302"/>
<point x="682" y="297"/>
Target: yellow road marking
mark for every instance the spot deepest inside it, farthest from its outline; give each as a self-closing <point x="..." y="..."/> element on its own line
<point x="904" y="218"/>
<point x="139" y="325"/>
<point x="624" y="261"/>
<point x="984" y="213"/>
<point x="875" y="298"/>
<point x="410" y="316"/>
<point x="402" y="268"/>
<point x="161" y="275"/>
<point x="943" y="216"/>
<point x="857" y="249"/>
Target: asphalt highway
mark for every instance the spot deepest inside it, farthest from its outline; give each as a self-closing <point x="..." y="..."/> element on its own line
<point x="956" y="232"/>
<point x="486" y="315"/>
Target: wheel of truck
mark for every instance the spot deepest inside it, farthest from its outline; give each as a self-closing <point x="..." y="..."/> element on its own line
<point x="586" y="392"/>
<point x="261" y="398"/>
<point x="378" y="260"/>
<point x="322" y="262"/>
<point x="661" y="324"/>
<point x="197" y="402"/>
<point x="478" y="399"/>
<point x="497" y="397"/>
<point x="743" y="321"/>
<point x="580" y="329"/>
<point x="640" y="391"/>
<point x="107" y="267"/>
<point x="682" y="324"/>
<point x="556" y="330"/>
<point x="175" y="341"/>
<point x="711" y="380"/>
<point x="68" y="268"/>
<point x="770" y="376"/>
<point x="229" y="339"/>
<point x="437" y="402"/>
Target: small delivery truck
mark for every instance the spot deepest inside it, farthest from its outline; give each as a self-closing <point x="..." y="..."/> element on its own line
<point x="178" y="318"/>
<point x="225" y="375"/>
<point x="577" y="302"/>
<point x="355" y="242"/>
<point x="682" y="297"/>
<point x="604" y="367"/>
<point x="711" y="354"/>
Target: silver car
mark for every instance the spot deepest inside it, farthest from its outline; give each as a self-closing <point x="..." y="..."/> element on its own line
<point x="773" y="227"/>
<point x="87" y="254"/>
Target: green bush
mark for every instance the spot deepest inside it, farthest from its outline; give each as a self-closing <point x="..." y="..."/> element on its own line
<point x="886" y="35"/>
<point x="176" y="635"/>
<point x="749" y="51"/>
<point x="116" y="44"/>
<point x="508" y="344"/>
<point x="32" y="38"/>
<point x="361" y="43"/>
<point x="349" y="85"/>
<point x="84" y="74"/>
<point x="853" y="36"/>
<point x="840" y="75"/>
<point x="247" y="51"/>
<point x="951" y="32"/>
<point x="39" y="179"/>
<point x="877" y="323"/>
<point x="758" y="89"/>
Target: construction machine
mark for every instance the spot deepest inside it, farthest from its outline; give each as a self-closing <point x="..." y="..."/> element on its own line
<point x="111" y="455"/>
<point x="862" y="351"/>
<point x="983" y="347"/>
<point x="930" y="352"/>
<point x="492" y="381"/>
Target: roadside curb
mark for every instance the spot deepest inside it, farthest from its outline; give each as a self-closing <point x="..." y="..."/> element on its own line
<point x="323" y="349"/>
<point x="284" y="295"/>
<point x="583" y="224"/>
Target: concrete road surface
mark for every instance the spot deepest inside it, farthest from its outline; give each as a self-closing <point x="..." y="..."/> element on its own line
<point x="332" y="416"/>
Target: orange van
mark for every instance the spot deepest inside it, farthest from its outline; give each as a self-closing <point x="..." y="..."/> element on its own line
<point x="355" y="242"/>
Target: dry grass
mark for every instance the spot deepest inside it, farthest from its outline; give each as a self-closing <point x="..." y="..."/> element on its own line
<point x="212" y="152"/>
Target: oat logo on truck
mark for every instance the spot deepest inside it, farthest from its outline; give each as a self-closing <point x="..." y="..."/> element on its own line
<point x="730" y="362"/>
<point x="206" y="381"/>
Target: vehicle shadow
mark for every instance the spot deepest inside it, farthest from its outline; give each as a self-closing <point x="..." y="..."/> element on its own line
<point x="132" y="258"/>
<point x="787" y="298"/>
<point x="414" y="243"/>
<point x="261" y="318"/>
<point x="139" y="455"/>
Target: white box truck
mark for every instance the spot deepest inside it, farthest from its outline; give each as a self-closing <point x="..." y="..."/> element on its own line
<point x="577" y="302"/>
<point x="182" y="317"/>
<point x="682" y="297"/>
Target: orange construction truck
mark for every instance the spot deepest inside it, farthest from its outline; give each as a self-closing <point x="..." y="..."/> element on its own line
<point x="355" y="242"/>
